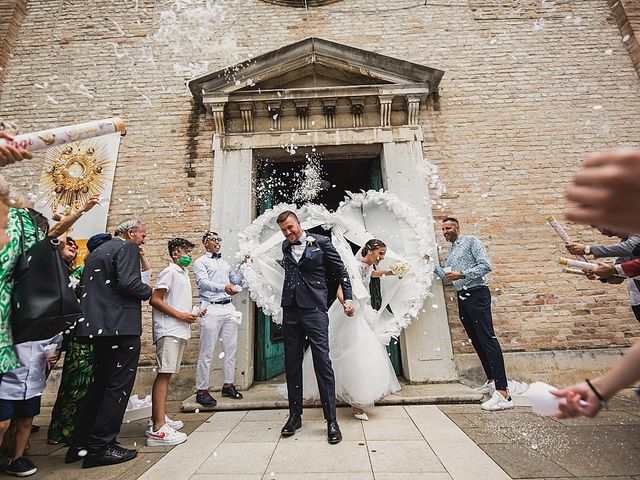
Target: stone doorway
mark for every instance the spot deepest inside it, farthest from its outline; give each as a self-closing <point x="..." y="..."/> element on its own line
<point x="353" y="169"/>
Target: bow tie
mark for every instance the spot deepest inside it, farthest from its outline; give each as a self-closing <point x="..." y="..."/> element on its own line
<point x="296" y="243"/>
<point x="216" y="255"/>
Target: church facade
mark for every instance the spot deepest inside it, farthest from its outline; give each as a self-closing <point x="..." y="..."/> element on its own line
<point x="497" y="102"/>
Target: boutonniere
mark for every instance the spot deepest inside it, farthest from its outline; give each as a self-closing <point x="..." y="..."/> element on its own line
<point x="310" y="240"/>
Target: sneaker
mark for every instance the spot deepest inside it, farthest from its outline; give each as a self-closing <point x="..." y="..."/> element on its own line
<point x="165" y="436"/>
<point x="497" y="402"/>
<point x="487" y="388"/>
<point x="175" y="424"/>
<point x="21" y="467"/>
<point x="231" y="392"/>
<point x="204" y="398"/>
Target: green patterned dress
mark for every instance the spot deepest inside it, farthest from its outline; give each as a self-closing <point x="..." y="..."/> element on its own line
<point x="8" y="258"/>
<point x="77" y="375"/>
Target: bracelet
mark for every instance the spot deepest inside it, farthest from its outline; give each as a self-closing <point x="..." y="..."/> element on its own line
<point x="597" y="393"/>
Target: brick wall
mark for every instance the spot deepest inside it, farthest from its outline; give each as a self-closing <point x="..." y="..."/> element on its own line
<point x="627" y="16"/>
<point x="516" y="116"/>
<point x="11" y="14"/>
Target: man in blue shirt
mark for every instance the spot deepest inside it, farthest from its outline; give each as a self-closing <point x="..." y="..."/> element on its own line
<point x="466" y="267"/>
<point x="217" y="283"/>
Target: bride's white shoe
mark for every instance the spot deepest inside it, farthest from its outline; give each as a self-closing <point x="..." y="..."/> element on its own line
<point x="361" y="416"/>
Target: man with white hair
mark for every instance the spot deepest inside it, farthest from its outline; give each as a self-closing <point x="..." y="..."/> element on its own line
<point x="110" y="295"/>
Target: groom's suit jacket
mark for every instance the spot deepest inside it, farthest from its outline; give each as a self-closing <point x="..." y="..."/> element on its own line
<point x="305" y="281"/>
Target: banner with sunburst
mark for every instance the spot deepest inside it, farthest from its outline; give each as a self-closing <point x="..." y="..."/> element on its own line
<point x="72" y="174"/>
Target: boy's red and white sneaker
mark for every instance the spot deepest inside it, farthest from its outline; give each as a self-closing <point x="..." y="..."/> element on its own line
<point x="165" y="435"/>
<point x="175" y="424"/>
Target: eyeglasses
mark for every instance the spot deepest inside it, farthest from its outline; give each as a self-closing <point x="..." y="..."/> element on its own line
<point x="215" y="239"/>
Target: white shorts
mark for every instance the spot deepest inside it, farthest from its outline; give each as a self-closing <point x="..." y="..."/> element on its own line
<point x="169" y="352"/>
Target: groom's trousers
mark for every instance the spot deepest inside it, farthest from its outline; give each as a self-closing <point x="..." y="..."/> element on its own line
<point x="298" y="324"/>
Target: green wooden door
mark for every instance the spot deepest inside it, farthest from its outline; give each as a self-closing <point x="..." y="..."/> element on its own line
<point x="269" y="347"/>
<point x="374" y="287"/>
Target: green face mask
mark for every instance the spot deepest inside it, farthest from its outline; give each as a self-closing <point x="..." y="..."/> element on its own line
<point x="185" y="260"/>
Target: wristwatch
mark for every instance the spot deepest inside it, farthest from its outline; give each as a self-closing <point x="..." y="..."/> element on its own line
<point x="587" y="250"/>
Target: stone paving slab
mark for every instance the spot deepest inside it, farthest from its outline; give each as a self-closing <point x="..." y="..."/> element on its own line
<point x="398" y="443"/>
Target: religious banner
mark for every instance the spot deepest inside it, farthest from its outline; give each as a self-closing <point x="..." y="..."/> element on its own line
<point x="71" y="175"/>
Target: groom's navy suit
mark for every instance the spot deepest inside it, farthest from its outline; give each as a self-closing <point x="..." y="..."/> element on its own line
<point x="304" y="306"/>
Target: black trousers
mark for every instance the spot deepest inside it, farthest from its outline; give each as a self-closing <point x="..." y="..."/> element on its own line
<point x="636" y="311"/>
<point x="101" y="412"/>
<point x="298" y="324"/>
<point x="474" y="306"/>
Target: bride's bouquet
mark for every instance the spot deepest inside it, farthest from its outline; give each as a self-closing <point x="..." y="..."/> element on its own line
<point x="400" y="269"/>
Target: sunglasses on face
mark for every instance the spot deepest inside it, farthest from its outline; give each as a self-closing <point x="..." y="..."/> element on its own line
<point x="215" y="239"/>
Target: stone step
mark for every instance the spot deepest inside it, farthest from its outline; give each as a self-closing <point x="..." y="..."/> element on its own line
<point x="265" y="395"/>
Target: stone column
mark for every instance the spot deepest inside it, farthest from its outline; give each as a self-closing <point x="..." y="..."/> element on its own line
<point x="246" y="110"/>
<point x="413" y="109"/>
<point x="357" y="109"/>
<point x="275" y="110"/>
<point x="427" y="354"/>
<point x="231" y="213"/>
<point x="302" y="112"/>
<point x="385" y="110"/>
<point x="329" y="110"/>
<point x="217" y="111"/>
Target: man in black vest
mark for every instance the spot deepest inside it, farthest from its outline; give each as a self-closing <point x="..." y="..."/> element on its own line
<point x="111" y="292"/>
<point x="304" y="303"/>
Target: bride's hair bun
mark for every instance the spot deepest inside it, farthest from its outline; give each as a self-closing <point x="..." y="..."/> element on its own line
<point x="371" y="245"/>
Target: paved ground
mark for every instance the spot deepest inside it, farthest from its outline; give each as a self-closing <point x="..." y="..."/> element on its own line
<point x="399" y="442"/>
<point x="530" y="447"/>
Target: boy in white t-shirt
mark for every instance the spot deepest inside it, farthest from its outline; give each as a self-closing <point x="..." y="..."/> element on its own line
<point x="172" y="317"/>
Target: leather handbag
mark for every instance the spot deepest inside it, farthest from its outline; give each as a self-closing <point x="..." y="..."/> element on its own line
<point x="43" y="303"/>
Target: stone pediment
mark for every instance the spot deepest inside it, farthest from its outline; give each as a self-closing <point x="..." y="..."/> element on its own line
<point x="315" y="77"/>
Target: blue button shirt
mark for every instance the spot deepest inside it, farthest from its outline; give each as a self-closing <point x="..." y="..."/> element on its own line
<point x="468" y="256"/>
<point x="30" y="378"/>
<point x="212" y="275"/>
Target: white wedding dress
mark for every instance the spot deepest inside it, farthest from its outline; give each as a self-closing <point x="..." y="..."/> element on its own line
<point x="361" y="365"/>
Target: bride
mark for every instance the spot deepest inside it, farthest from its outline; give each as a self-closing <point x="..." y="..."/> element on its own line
<point x="363" y="371"/>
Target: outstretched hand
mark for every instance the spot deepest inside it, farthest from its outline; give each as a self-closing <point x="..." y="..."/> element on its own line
<point x="92" y="202"/>
<point x="605" y="191"/>
<point x="10" y="154"/>
<point x="575" y="248"/>
<point x="579" y="400"/>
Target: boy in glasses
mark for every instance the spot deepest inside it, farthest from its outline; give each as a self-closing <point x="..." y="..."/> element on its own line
<point x="217" y="284"/>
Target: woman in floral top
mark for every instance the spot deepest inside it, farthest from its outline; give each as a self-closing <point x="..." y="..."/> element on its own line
<point x="8" y="258"/>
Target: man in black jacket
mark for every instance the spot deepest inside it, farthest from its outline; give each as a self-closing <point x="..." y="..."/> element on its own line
<point x="111" y="292"/>
<point x="304" y="304"/>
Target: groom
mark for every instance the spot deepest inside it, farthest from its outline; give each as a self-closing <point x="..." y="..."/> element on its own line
<point x="304" y="306"/>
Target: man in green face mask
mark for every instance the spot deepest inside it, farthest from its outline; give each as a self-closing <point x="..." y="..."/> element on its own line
<point x="172" y="319"/>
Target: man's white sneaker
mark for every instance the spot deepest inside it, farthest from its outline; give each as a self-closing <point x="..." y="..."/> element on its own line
<point x="165" y="436"/>
<point x="175" y="424"/>
<point x="497" y="402"/>
<point x="487" y="388"/>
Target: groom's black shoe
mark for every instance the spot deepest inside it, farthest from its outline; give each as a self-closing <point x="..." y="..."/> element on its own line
<point x="293" y="424"/>
<point x="334" y="435"/>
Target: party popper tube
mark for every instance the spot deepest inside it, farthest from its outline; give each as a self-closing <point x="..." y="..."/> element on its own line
<point x="573" y="271"/>
<point x="61" y="135"/>
<point x="568" y="262"/>
<point x="562" y="233"/>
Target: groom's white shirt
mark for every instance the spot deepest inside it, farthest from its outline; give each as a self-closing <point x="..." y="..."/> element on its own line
<point x="298" y="250"/>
